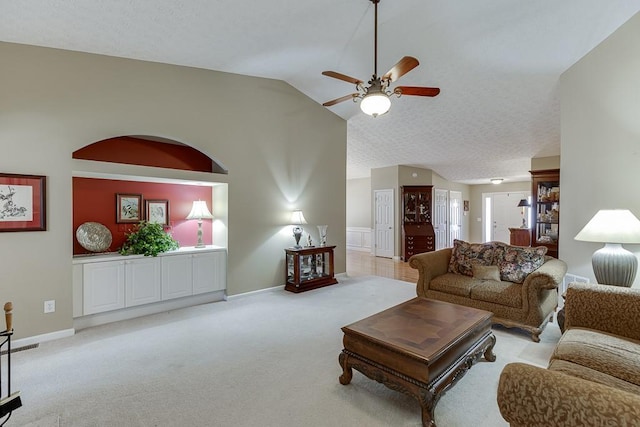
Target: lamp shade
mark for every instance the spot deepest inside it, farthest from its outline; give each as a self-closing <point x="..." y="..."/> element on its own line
<point x="375" y="104"/>
<point x="199" y="210"/>
<point x="524" y="203"/>
<point x="611" y="226"/>
<point x="297" y="218"/>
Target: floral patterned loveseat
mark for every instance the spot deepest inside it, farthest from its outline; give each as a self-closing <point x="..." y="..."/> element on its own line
<point x="519" y="285"/>
<point x="593" y="377"/>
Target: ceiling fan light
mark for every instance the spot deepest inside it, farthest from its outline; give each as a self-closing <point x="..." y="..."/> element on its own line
<point x="375" y="104"/>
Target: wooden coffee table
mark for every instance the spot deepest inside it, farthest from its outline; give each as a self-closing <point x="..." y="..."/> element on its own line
<point x="421" y="347"/>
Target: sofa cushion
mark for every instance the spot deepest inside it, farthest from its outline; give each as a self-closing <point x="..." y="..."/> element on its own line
<point x="485" y="272"/>
<point x="455" y="284"/>
<point x="516" y="262"/>
<point x="464" y="255"/>
<point x="503" y="293"/>
<point x="610" y="354"/>
<point x="589" y="374"/>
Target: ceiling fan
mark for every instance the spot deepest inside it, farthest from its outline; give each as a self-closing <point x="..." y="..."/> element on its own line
<point x="374" y="99"/>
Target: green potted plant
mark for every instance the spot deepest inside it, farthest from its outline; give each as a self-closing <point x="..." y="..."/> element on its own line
<point x="148" y="239"/>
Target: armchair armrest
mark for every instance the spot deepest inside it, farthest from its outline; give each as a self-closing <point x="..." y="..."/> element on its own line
<point x="429" y="266"/>
<point x="529" y="396"/>
<point x="610" y="309"/>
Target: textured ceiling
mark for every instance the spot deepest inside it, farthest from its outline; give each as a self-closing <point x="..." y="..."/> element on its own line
<point x="497" y="62"/>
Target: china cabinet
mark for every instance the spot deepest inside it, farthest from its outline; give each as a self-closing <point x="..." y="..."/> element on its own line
<point x="309" y="268"/>
<point x="417" y="231"/>
<point x="545" y="189"/>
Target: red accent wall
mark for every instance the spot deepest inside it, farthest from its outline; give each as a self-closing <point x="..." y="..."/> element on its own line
<point x="137" y="151"/>
<point x="95" y="200"/>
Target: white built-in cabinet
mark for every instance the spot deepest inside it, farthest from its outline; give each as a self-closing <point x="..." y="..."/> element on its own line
<point x="113" y="282"/>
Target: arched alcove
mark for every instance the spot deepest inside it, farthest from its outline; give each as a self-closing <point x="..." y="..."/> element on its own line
<point x="95" y="190"/>
<point x="149" y="151"/>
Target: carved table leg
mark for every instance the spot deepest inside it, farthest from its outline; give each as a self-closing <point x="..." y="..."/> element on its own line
<point x="427" y="416"/>
<point x="347" y="373"/>
<point x="489" y="355"/>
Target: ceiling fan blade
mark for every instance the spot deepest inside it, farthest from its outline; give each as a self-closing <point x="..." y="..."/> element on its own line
<point x="338" y="100"/>
<point x="417" y="90"/>
<point x="403" y="66"/>
<point x="342" y="77"/>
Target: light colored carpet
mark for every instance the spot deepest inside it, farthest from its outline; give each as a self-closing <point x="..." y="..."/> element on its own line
<point x="266" y="359"/>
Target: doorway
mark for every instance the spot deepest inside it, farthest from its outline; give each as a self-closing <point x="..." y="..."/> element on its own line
<point x="500" y="212"/>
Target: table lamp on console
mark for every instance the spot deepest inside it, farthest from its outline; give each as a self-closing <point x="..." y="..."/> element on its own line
<point x="613" y="264"/>
<point x="199" y="211"/>
<point x="297" y="219"/>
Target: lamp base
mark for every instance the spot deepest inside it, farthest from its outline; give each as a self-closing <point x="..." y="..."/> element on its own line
<point x="614" y="265"/>
<point x="297" y="234"/>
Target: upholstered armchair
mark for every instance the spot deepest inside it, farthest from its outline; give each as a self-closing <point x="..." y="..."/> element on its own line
<point x="593" y="377"/>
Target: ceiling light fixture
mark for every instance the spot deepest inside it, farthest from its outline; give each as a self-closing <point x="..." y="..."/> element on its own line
<point x="496" y="181"/>
<point x="375" y="98"/>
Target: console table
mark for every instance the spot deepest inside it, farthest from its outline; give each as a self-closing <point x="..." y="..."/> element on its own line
<point x="309" y="268"/>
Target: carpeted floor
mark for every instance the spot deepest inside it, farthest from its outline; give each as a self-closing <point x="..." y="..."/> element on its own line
<point x="266" y="359"/>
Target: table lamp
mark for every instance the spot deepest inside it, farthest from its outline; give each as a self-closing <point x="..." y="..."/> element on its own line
<point x="199" y="211"/>
<point x="524" y="203"/>
<point x="613" y="264"/>
<point x="297" y="219"/>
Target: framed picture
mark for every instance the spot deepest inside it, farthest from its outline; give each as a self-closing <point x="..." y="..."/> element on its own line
<point x="128" y="208"/>
<point x="157" y="211"/>
<point x="22" y="202"/>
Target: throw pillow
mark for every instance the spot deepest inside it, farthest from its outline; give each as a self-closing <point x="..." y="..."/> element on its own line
<point x="464" y="255"/>
<point x="486" y="272"/>
<point x="516" y="263"/>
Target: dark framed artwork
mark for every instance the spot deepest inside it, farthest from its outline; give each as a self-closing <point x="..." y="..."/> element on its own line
<point x="157" y="211"/>
<point x="128" y="208"/>
<point x="22" y="202"/>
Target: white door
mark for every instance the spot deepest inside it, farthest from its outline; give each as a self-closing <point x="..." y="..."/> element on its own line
<point x="440" y="217"/>
<point x="455" y="216"/>
<point x="384" y="231"/>
<point x="505" y="214"/>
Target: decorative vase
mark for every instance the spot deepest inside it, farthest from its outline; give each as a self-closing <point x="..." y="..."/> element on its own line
<point x="322" y="230"/>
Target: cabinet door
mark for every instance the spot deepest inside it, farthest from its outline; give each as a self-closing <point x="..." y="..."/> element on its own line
<point x="142" y="281"/>
<point x="177" y="276"/>
<point x="103" y="286"/>
<point x="209" y="272"/>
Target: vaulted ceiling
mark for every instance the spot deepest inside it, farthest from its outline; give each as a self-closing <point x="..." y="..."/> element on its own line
<point x="497" y="62"/>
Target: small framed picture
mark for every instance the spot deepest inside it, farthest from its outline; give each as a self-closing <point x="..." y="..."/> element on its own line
<point x="128" y="208"/>
<point x="157" y="211"/>
<point x="22" y="202"/>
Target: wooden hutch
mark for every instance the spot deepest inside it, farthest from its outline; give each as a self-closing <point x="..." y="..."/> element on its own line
<point x="417" y="231"/>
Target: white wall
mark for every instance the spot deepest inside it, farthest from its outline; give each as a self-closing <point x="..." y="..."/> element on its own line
<point x="359" y="203"/>
<point x="282" y="150"/>
<point x="600" y="154"/>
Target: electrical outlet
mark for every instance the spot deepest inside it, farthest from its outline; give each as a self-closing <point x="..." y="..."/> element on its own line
<point x="50" y="306"/>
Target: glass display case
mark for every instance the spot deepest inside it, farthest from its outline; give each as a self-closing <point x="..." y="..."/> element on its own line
<point x="309" y="268"/>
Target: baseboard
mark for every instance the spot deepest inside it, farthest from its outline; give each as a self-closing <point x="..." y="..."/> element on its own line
<point x="259" y="291"/>
<point x="37" y="339"/>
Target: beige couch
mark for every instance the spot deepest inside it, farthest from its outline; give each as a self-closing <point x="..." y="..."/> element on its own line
<point x="528" y="305"/>
<point x="593" y="377"/>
